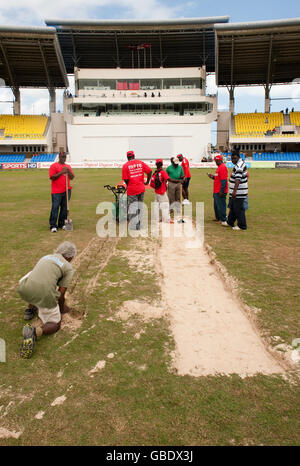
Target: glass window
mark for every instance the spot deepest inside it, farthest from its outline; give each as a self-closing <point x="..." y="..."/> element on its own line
<point x="106" y="84"/>
<point x="192" y="83"/>
<point x="87" y="84"/>
<point x="150" y="84"/>
<point x="171" y="83"/>
<point x="134" y="85"/>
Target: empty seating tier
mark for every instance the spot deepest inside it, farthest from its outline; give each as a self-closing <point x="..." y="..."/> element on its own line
<point x="257" y="124"/>
<point x="44" y="158"/>
<point x="10" y="158"/>
<point x="277" y="156"/>
<point x="23" y="126"/>
<point x="295" y="118"/>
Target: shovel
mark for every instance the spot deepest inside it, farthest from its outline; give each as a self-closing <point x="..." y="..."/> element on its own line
<point x="68" y="221"/>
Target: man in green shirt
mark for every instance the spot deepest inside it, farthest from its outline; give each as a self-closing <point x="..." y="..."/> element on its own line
<point x="44" y="288"/>
<point x="176" y="174"/>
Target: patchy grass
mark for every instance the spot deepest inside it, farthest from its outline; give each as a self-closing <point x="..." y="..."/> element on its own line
<point x="135" y="399"/>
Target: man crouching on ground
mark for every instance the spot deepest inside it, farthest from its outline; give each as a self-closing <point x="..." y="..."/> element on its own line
<point x="44" y="288"/>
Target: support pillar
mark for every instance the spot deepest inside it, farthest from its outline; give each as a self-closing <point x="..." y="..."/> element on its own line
<point x="203" y="80"/>
<point x="52" y="100"/>
<point x="267" y="100"/>
<point x="231" y="100"/>
<point x="17" y="101"/>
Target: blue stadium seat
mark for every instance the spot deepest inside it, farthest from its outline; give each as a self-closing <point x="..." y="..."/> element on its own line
<point x="12" y="158"/>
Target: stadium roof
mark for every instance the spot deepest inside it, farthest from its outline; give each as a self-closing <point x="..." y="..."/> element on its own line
<point x="117" y="43"/>
<point x="31" y="57"/>
<point x="263" y="52"/>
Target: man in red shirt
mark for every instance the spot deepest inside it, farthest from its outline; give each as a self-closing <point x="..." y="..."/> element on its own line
<point x="58" y="172"/>
<point x="159" y="183"/>
<point x="220" y="189"/>
<point x="187" y="176"/>
<point x="133" y="175"/>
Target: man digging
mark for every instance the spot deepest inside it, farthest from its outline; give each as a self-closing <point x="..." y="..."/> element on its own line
<point x="44" y="288"/>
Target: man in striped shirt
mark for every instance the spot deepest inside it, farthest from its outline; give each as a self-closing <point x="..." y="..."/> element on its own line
<point x="238" y="191"/>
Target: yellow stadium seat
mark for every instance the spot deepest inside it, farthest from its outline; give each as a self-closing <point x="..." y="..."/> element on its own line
<point x="256" y="124"/>
<point x="295" y="118"/>
<point x="23" y="126"/>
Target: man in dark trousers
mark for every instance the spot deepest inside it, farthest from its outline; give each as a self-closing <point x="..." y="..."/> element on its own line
<point x="238" y="192"/>
<point x="220" y="189"/>
<point x="187" y="177"/>
<point x="58" y="172"/>
<point x="176" y="178"/>
<point x="133" y="175"/>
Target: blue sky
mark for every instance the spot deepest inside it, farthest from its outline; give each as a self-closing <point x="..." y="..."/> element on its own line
<point x="33" y="12"/>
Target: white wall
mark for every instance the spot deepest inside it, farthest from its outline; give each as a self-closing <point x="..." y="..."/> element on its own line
<point x="138" y="73"/>
<point x="110" y="143"/>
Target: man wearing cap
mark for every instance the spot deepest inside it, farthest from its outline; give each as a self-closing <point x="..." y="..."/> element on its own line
<point x="220" y="189"/>
<point x="159" y="183"/>
<point x="176" y="174"/>
<point x="44" y="288"/>
<point x="238" y="193"/>
<point x="58" y="172"/>
<point x="187" y="176"/>
<point x="133" y="175"/>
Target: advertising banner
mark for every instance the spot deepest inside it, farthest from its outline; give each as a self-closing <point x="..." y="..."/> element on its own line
<point x="230" y="164"/>
<point x="32" y="165"/>
<point x="287" y="164"/>
<point x="262" y="164"/>
<point x="14" y="166"/>
<point x="44" y="164"/>
<point x="0" y="166"/>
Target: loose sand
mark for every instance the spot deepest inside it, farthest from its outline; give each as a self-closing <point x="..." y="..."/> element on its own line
<point x="212" y="332"/>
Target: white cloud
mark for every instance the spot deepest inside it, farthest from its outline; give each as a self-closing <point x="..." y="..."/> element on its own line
<point x="32" y="12"/>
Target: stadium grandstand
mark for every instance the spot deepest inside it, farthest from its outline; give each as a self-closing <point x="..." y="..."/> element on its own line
<point x="259" y="53"/>
<point x="141" y="85"/>
<point x="30" y="57"/>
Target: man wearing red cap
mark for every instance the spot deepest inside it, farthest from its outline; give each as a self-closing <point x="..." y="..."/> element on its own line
<point x="159" y="183"/>
<point x="133" y="175"/>
<point x="58" y="172"/>
<point x="187" y="176"/>
<point x="220" y="189"/>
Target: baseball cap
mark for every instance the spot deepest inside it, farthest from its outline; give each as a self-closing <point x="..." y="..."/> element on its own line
<point x="218" y="157"/>
<point x="179" y="155"/>
<point x="158" y="161"/>
<point x="130" y="153"/>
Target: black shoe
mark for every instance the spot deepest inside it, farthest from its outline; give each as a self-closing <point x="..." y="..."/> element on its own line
<point x="27" y="347"/>
<point x="29" y="313"/>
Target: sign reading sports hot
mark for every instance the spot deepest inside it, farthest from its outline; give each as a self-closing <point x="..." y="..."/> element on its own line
<point x="14" y="166"/>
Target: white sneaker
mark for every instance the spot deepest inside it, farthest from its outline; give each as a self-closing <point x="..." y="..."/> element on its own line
<point x="185" y="201"/>
<point x="63" y="227"/>
<point x="236" y="228"/>
<point x="225" y="224"/>
<point x="53" y="230"/>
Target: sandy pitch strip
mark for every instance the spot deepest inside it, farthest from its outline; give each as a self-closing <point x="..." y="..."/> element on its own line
<point x="211" y="331"/>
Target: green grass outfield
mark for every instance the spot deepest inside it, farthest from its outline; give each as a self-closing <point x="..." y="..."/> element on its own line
<point x="136" y="399"/>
